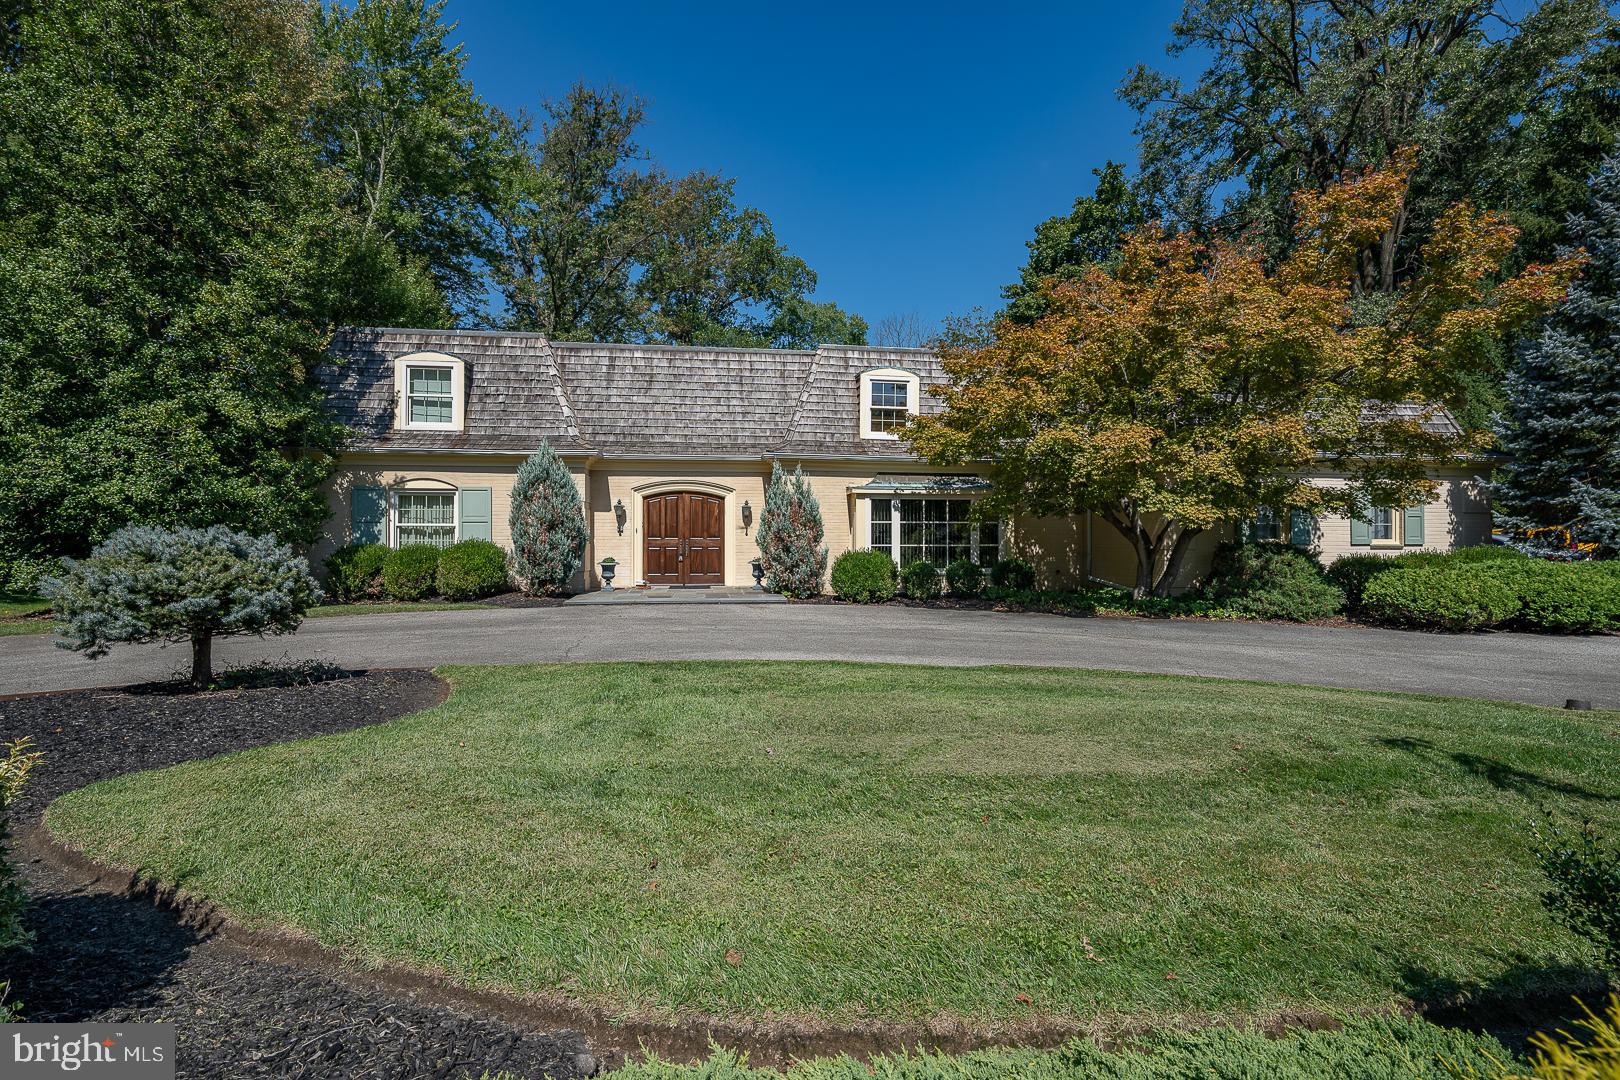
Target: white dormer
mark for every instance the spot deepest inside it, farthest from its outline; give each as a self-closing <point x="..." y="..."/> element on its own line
<point x="889" y="398"/>
<point x="432" y="391"/>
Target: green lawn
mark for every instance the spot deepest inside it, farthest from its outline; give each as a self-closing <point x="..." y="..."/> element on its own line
<point x="18" y="613"/>
<point x="858" y="841"/>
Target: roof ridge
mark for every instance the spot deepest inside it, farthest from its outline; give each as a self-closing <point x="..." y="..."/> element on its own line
<point x="570" y="418"/>
<point x="792" y="426"/>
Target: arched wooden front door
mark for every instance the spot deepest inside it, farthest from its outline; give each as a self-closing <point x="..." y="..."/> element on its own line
<point x="683" y="539"/>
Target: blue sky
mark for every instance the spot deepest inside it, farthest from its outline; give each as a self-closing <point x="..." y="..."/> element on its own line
<point x="905" y="152"/>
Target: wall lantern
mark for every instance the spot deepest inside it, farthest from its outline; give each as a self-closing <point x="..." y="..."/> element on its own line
<point x="748" y="514"/>
<point x="619" y="515"/>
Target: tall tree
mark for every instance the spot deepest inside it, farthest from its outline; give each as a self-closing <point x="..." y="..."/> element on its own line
<point x="597" y="242"/>
<point x="1065" y="248"/>
<point x="1300" y="94"/>
<point x="1190" y="385"/>
<point x="165" y="242"/>
<point x="421" y="154"/>
<point x="1562" y="429"/>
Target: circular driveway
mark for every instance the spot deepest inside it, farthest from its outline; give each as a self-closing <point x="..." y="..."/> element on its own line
<point x="1511" y="667"/>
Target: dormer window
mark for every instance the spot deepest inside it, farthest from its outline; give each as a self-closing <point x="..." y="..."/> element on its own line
<point x="431" y="395"/>
<point x="889" y="398"/>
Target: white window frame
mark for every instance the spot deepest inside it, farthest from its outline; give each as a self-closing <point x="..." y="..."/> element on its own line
<point x="1266" y="516"/>
<point x="894" y="526"/>
<point x="458" y="391"/>
<point x="1395" y="538"/>
<point x="913" y="384"/>
<point x="394" y="523"/>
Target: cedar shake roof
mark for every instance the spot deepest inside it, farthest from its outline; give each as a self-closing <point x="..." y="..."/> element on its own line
<point x="622" y="399"/>
<point x="663" y="400"/>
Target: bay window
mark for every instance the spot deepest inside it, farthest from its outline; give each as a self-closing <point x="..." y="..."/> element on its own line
<point x="932" y="529"/>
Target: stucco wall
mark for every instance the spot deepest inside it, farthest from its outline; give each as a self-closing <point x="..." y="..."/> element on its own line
<point x="1459" y="515"/>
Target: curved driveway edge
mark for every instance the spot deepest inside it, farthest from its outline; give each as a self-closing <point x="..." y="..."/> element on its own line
<point x="1542" y="670"/>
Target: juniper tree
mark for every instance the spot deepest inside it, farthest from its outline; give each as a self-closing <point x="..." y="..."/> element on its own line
<point x="790" y="535"/>
<point x="148" y="584"/>
<point x="548" y="523"/>
<point x="1563" y="423"/>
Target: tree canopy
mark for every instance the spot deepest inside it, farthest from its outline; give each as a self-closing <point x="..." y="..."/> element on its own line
<point x="1190" y="384"/>
<point x="599" y="243"/>
<point x="166" y="238"/>
<point x="1065" y="247"/>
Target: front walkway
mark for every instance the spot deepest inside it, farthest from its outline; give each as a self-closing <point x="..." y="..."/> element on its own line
<point x="668" y="594"/>
<point x="1509" y="667"/>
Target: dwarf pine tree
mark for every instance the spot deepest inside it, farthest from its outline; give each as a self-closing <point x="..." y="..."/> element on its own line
<point x="548" y="523"/>
<point x="790" y="535"/>
<point x="1562" y="429"/>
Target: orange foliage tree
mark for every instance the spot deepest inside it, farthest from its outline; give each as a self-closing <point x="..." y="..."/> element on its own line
<point x="1190" y="385"/>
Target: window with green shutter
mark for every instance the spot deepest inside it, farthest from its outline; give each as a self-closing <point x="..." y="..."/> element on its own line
<point x="1301" y="528"/>
<point x="475" y="515"/>
<point x="368" y="515"/>
<point x="1413" y="536"/>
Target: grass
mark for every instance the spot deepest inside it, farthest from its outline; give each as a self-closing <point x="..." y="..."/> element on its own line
<point x="19" y="614"/>
<point x="856" y="841"/>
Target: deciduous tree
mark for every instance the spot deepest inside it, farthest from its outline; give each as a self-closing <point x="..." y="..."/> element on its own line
<point x="1190" y="385"/>
<point x="166" y="237"/>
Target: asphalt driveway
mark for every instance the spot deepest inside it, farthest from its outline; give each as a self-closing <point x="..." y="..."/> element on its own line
<point x="1513" y="667"/>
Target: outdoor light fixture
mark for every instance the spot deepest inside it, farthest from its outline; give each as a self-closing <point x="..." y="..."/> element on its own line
<point x="748" y="514"/>
<point x="619" y="515"/>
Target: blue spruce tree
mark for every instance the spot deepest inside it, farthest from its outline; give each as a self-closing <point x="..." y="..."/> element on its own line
<point x="790" y="535"/>
<point x="548" y="523"/>
<point x="1562" y="429"/>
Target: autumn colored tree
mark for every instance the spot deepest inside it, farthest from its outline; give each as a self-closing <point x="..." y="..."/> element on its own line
<point x="1189" y="385"/>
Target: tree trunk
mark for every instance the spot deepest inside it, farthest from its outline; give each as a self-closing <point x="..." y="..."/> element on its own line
<point x="202" y="658"/>
<point x="1172" y="565"/>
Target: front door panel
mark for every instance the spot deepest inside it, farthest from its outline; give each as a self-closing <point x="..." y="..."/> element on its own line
<point x="684" y="539"/>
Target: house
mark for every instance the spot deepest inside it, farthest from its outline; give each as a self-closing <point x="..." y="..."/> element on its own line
<point x="671" y="448"/>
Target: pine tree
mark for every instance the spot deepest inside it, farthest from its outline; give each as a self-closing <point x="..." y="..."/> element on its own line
<point x="1563" y="425"/>
<point x="790" y="535"/>
<point x="548" y="523"/>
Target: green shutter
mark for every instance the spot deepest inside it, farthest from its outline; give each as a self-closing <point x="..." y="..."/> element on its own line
<point x="368" y="513"/>
<point x="1301" y="528"/>
<point x="1360" y="532"/>
<point x="474" y="514"/>
<point x="1414" y="526"/>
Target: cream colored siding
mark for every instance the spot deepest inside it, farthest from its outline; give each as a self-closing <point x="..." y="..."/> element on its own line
<point x="1064" y="550"/>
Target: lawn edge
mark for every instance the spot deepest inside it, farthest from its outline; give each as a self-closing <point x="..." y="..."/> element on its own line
<point x="684" y="1038"/>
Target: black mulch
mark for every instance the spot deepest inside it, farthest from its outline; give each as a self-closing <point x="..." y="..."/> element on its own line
<point x="105" y="958"/>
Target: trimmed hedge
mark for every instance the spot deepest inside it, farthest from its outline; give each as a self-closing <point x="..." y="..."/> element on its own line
<point x="1272" y="581"/>
<point x="965" y="578"/>
<point x="863" y="577"/>
<point x="409" y="572"/>
<point x="355" y="572"/>
<point x="1472" y="597"/>
<point x="471" y="569"/>
<point x="1014" y="574"/>
<point x="921" y="580"/>
<point x="1466" y="591"/>
<point x="1352" y="572"/>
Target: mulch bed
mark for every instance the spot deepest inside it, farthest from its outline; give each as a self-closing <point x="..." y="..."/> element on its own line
<point x="102" y="957"/>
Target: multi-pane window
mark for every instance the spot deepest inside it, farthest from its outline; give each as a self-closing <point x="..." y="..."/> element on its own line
<point x="936" y="530"/>
<point x="430" y="399"/>
<point x="426" y="517"/>
<point x="890" y="403"/>
<point x="1266" y="525"/>
<point x="1383" y="523"/>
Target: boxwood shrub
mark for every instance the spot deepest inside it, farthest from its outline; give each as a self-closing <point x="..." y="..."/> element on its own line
<point x="1569" y="598"/>
<point x="965" y="578"/>
<point x="355" y="572"/>
<point x="1352" y="572"/>
<point x="1272" y="581"/>
<point x="921" y="580"/>
<point x="1469" y="597"/>
<point x="863" y="577"/>
<point x="409" y="572"/>
<point x="472" y="569"/>
<point x="1012" y="573"/>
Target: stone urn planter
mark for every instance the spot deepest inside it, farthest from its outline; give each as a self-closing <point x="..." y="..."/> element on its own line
<point x="758" y="569"/>
<point x="609" y="566"/>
